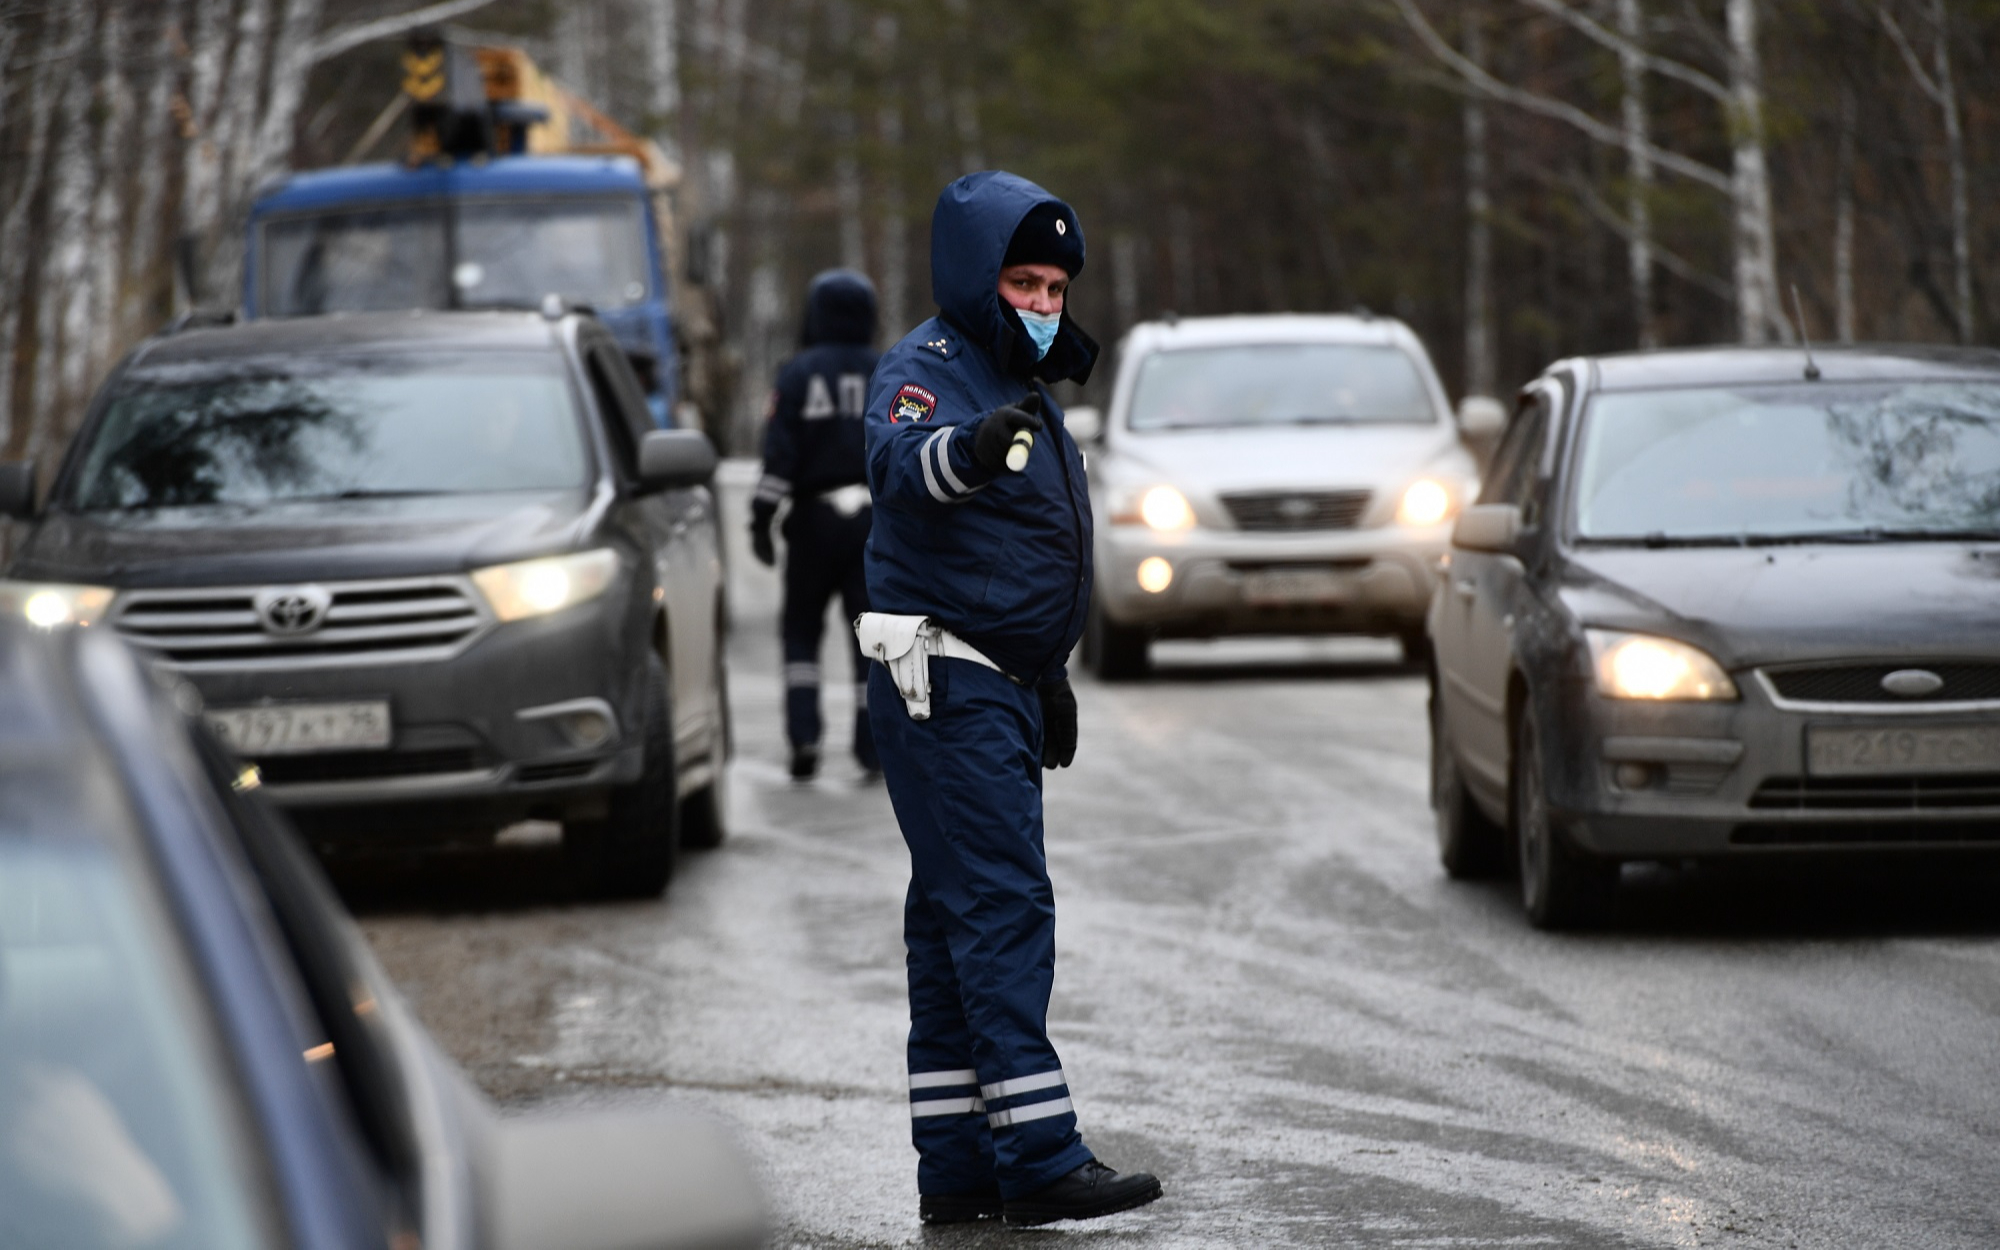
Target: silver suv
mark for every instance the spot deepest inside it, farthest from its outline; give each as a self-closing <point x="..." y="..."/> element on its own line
<point x="1273" y="475"/>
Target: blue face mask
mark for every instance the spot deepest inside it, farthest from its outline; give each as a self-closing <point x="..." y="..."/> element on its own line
<point x="1041" y="328"/>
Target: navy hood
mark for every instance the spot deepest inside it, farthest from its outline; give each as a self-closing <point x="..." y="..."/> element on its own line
<point x="840" y="308"/>
<point x="974" y="222"/>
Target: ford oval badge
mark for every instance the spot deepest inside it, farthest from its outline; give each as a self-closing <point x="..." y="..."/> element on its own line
<point x="1912" y="683"/>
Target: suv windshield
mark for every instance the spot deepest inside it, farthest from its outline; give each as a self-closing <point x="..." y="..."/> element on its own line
<point x="1278" y="384"/>
<point x="1825" y="459"/>
<point x="263" y="431"/>
<point x="505" y="253"/>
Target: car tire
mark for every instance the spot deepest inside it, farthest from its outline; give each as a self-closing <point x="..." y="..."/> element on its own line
<point x="630" y="853"/>
<point x="1114" y="652"/>
<point x="705" y="813"/>
<point x="1416" y="644"/>
<point x="1470" y="846"/>
<point x="1561" y="887"/>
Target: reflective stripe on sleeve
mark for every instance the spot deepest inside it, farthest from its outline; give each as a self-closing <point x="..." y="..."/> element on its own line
<point x="944" y="467"/>
<point x="801" y="673"/>
<point x="771" y="489"/>
<point x="946" y="1106"/>
<point x="924" y="455"/>
<point x="935" y="1080"/>
<point x="1022" y="1085"/>
<point x="1033" y="1111"/>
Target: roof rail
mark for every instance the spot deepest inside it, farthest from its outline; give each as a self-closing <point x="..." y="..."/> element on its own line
<point x="200" y="319"/>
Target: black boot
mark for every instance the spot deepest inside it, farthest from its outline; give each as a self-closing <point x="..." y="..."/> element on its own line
<point x="1090" y="1191"/>
<point x="979" y="1204"/>
<point x="805" y="763"/>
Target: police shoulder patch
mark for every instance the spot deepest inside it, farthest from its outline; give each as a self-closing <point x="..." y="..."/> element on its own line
<point x="913" y="403"/>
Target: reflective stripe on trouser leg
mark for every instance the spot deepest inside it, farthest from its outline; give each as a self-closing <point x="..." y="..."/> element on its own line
<point x="954" y="1145"/>
<point x="980" y="920"/>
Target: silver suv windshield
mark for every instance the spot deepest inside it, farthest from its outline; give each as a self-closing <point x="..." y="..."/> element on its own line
<point x="333" y="427"/>
<point x="1267" y="384"/>
<point x="1812" y="460"/>
<point x="498" y="253"/>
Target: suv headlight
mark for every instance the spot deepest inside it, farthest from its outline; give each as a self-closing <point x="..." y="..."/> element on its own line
<point x="550" y="584"/>
<point x="52" y="605"/>
<point x="1160" y="508"/>
<point x="1425" y="503"/>
<point x="1640" y="666"/>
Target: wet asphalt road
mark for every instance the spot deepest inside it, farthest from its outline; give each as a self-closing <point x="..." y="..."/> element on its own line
<point x="1266" y="993"/>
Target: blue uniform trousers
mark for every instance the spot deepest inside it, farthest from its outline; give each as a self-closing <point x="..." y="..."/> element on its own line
<point x="988" y="1099"/>
<point x="823" y="551"/>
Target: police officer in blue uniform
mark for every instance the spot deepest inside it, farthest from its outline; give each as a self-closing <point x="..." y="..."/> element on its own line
<point x="813" y="456"/>
<point x="981" y="545"/>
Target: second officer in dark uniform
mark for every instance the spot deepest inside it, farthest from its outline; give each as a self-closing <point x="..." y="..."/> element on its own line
<point x="813" y="456"/>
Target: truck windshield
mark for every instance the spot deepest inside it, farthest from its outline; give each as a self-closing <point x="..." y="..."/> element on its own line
<point x="1844" y="460"/>
<point x="316" y="428"/>
<point x="1266" y="384"/>
<point x="504" y="253"/>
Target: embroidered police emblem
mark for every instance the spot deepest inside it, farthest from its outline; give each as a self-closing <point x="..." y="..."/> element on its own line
<point x="913" y="403"/>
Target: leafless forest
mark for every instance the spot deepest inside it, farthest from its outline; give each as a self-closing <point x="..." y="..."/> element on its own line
<point x="1519" y="179"/>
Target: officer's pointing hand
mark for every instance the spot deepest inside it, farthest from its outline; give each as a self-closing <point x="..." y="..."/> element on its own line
<point x="997" y="430"/>
<point x="1058" y="723"/>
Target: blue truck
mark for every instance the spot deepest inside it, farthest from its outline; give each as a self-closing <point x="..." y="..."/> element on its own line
<point x="513" y="191"/>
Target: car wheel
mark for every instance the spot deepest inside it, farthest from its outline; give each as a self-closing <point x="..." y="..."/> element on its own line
<point x="1561" y="887"/>
<point x="1114" y="652"/>
<point x="1416" y="646"/>
<point x="705" y="813"/>
<point x="1470" y="846"/>
<point x="630" y="853"/>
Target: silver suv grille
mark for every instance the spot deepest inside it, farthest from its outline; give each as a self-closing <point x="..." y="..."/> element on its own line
<point x="376" y="622"/>
<point x="1297" y="509"/>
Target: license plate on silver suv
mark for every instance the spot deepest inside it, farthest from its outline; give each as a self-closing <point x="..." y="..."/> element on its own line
<point x="301" y="728"/>
<point x="1903" y="750"/>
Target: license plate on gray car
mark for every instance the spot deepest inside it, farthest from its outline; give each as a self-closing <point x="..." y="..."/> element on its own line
<point x="1902" y="750"/>
<point x="1278" y="587"/>
<point x="300" y="728"/>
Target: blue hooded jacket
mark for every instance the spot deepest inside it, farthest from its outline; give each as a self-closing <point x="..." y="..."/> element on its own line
<point x="1002" y="560"/>
<point x="813" y="441"/>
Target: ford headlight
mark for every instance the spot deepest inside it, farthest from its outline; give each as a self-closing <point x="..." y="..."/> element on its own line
<point x="539" y="587"/>
<point x="52" y="605"/>
<point x="1425" y="503"/>
<point x="1640" y="666"/>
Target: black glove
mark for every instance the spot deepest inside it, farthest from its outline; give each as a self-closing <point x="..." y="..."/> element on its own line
<point x="996" y="431"/>
<point x="760" y="536"/>
<point x="1058" y="723"/>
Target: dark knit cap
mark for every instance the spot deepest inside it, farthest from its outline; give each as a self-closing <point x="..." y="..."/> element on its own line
<point x="1048" y="235"/>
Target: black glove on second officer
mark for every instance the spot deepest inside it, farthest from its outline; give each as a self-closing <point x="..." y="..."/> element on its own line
<point x="761" y="545"/>
<point x="996" y="430"/>
<point x="1058" y="723"/>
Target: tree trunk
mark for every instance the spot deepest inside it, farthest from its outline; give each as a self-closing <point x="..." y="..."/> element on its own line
<point x="1481" y="368"/>
<point x="1843" y="224"/>
<point x="62" y="324"/>
<point x="1961" y="205"/>
<point x="1639" y="171"/>
<point x="291" y="67"/>
<point x="48" y="62"/>
<point x="663" y="71"/>
<point x="1758" y="311"/>
<point x="892" y="232"/>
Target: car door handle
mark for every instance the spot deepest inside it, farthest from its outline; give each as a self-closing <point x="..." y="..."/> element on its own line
<point x="1465" y="589"/>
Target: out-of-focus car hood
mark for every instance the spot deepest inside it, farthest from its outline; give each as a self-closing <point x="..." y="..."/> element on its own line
<point x="1765" y="605"/>
<point x="1289" y="456"/>
<point x="308" y="541"/>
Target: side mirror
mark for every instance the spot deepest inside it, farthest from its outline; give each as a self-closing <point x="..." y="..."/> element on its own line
<point x="1487" y="527"/>
<point x="618" y="1181"/>
<point x="17" y="489"/>
<point x="1086" y="424"/>
<point x="670" y="458"/>
<point x="1481" y="417"/>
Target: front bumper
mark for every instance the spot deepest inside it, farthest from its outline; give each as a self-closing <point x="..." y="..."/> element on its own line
<point x="1731" y="779"/>
<point x="1366" y="581"/>
<point x="479" y="739"/>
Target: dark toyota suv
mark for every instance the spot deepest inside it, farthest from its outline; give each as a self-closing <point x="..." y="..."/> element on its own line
<point x="432" y="573"/>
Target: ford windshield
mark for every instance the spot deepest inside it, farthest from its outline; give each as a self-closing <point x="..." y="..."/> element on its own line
<point x="1812" y="461"/>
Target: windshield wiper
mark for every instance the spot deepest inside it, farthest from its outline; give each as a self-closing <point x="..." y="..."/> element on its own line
<point x="360" y="493"/>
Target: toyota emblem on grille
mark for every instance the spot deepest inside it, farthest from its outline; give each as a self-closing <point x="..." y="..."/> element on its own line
<point x="1296" y="509"/>
<point x="1912" y="683"/>
<point x="292" y="610"/>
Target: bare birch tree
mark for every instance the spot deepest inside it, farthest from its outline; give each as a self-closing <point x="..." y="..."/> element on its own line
<point x="1481" y="366"/>
<point x="1940" y="84"/>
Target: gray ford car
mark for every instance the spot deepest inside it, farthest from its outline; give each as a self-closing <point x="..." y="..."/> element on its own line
<point x="1724" y="603"/>
<point x="433" y="573"/>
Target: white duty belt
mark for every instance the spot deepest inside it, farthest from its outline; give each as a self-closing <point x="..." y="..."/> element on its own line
<point x="848" y="500"/>
<point x="905" y="645"/>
